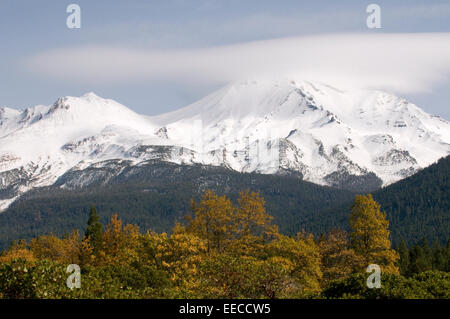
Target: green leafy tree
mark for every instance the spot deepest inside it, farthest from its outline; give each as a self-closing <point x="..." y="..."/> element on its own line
<point x="427" y="285"/>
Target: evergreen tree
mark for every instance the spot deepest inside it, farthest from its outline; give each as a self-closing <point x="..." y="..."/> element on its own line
<point x="438" y="256"/>
<point x="94" y="229"/>
<point x="421" y="258"/>
<point x="417" y="260"/>
<point x="404" y="257"/>
<point x="427" y="255"/>
<point x="370" y="235"/>
<point x="447" y="256"/>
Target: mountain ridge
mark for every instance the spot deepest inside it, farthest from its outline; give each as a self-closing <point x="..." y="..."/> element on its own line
<point x="345" y="139"/>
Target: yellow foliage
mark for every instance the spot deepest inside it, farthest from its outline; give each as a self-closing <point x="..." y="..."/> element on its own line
<point x="120" y="244"/>
<point x="242" y="230"/>
<point x="53" y="248"/>
<point x="21" y="253"/>
<point x="213" y="220"/>
<point x="300" y="257"/>
<point x="229" y="251"/>
<point x="370" y="234"/>
<point x="86" y="253"/>
<point x="338" y="258"/>
<point x="251" y="217"/>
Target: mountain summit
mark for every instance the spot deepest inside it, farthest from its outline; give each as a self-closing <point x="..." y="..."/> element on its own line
<point x="358" y="139"/>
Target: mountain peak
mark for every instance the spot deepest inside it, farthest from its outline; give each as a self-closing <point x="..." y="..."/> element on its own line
<point x="90" y="96"/>
<point x="340" y="138"/>
<point x="87" y="103"/>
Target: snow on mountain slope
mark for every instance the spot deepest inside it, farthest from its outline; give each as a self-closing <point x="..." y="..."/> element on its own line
<point x="34" y="143"/>
<point x="328" y="136"/>
<point x="322" y="130"/>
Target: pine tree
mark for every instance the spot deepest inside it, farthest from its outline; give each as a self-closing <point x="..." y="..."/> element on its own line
<point x="447" y="256"/>
<point x="417" y="260"/>
<point x="438" y="256"/>
<point x="428" y="255"/>
<point x="404" y="257"/>
<point x="94" y="229"/>
<point x="370" y="235"/>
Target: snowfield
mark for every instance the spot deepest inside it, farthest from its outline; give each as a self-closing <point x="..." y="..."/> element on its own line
<point x="322" y="133"/>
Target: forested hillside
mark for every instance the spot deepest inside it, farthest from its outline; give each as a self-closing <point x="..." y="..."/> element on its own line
<point x="160" y="194"/>
<point x="157" y="196"/>
<point x="417" y="207"/>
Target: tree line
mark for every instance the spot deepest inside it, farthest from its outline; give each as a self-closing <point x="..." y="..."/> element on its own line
<point x="223" y="249"/>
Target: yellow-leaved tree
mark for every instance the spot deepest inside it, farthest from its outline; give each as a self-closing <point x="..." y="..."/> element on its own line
<point x="120" y="244"/>
<point x="17" y="250"/>
<point x="253" y="225"/>
<point x="300" y="258"/>
<point x="241" y="229"/>
<point x="338" y="258"/>
<point x="370" y="234"/>
<point x="212" y="220"/>
<point x="50" y="247"/>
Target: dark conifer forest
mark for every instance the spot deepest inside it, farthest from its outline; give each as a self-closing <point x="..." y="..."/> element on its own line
<point x="417" y="206"/>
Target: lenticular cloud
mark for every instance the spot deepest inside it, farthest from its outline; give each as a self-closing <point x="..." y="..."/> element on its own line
<point x="401" y="62"/>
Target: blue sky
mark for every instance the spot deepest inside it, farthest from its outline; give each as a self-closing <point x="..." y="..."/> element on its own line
<point x="31" y="29"/>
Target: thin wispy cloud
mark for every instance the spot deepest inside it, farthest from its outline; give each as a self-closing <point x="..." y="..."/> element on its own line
<point x="401" y="62"/>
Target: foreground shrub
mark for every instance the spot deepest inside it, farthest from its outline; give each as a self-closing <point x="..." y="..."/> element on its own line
<point x="429" y="285"/>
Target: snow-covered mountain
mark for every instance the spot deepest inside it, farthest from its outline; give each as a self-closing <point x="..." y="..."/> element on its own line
<point x="325" y="135"/>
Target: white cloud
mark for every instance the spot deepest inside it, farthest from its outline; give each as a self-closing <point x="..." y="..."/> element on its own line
<point x="400" y="62"/>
